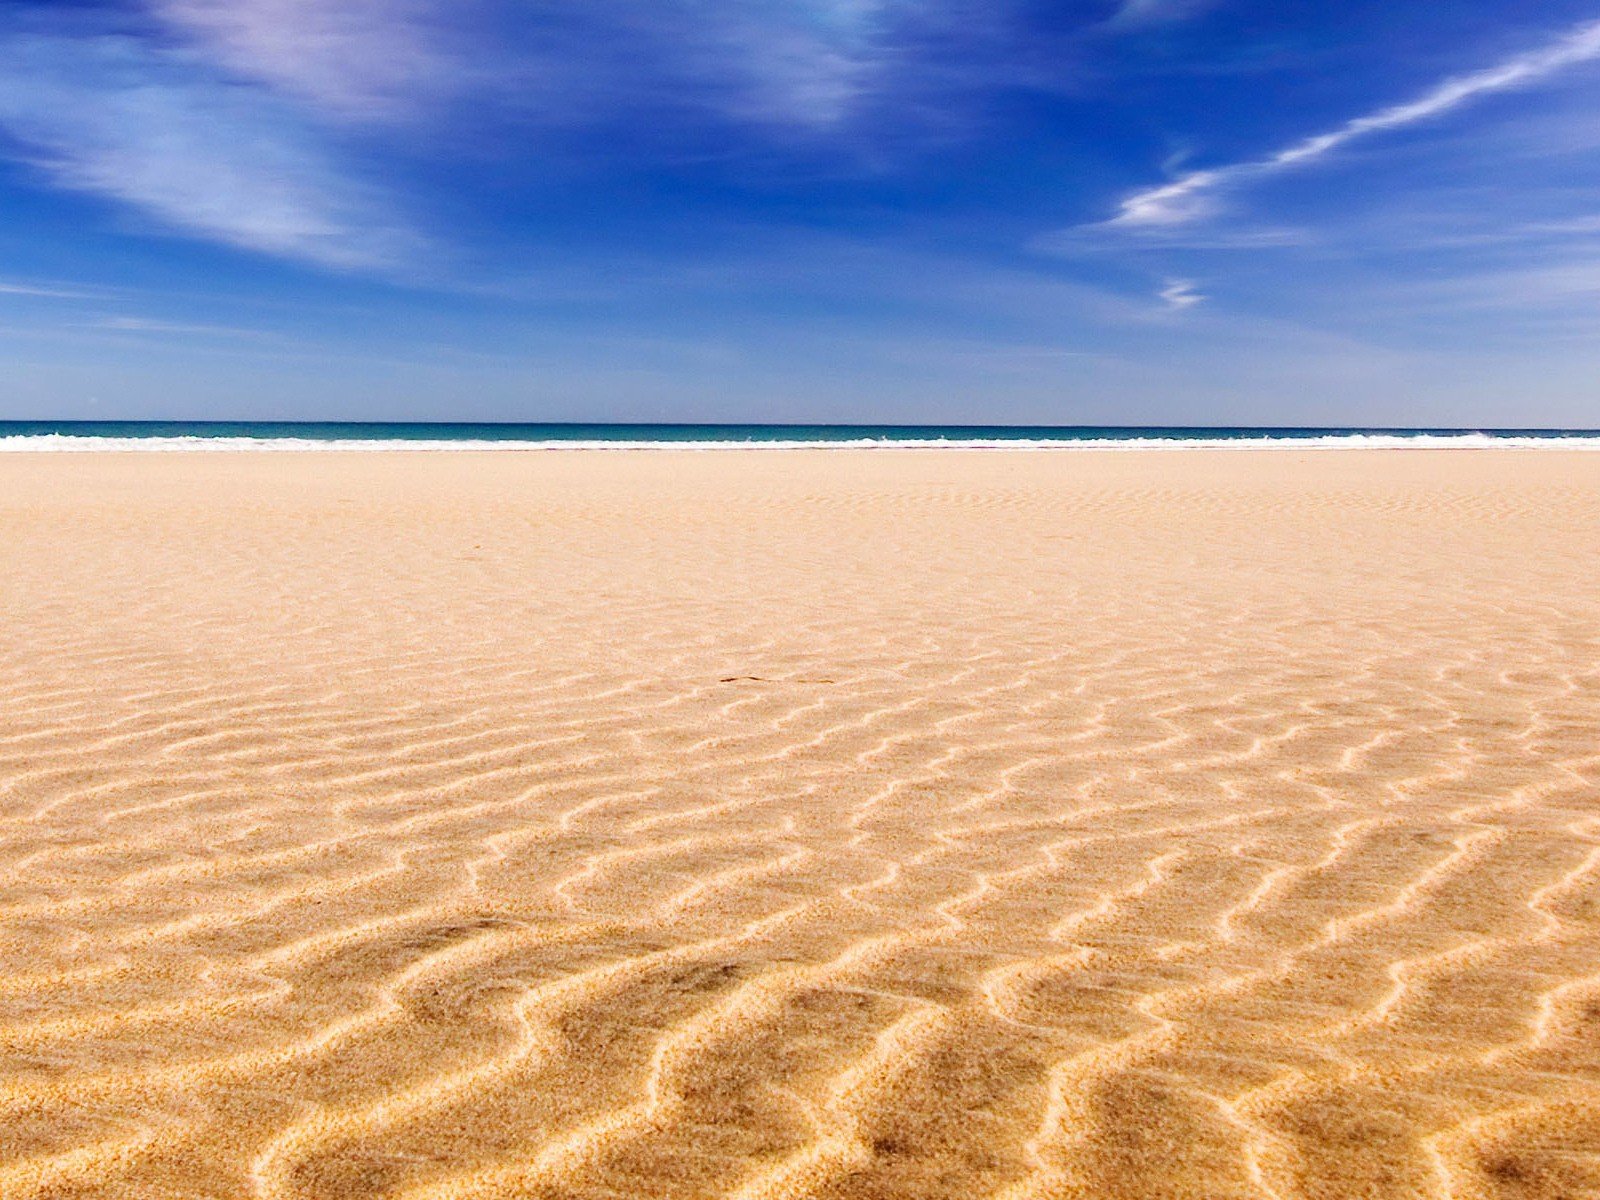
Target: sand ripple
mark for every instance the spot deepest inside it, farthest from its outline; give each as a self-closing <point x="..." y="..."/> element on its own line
<point x="800" y="825"/>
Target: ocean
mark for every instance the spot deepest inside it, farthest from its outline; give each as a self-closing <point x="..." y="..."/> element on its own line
<point x="328" y="435"/>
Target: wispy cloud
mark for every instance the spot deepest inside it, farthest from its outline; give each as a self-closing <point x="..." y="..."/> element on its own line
<point x="235" y="120"/>
<point x="1193" y="196"/>
<point x="43" y="292"/>
<point x="802" y="61"/>
<point x="1134" y="13"/>
<point x="1088" y="241"/>
<point x="1571" y="285"/>
<point x="116" y="117"/>
<point x="177" y="328"/>
<point x="1180" y="294"/>
<point x="362" y="59"/>
<point x="811" y="63"/>
<point x="1580" y="226"/>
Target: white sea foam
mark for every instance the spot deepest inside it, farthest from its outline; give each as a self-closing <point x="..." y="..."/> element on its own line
<point x="55" y="442"/>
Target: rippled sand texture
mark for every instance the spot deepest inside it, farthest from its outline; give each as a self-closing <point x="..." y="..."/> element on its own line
<point x="885" y="824"/>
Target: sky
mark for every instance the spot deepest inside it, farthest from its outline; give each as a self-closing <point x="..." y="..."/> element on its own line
<point x="1208" y="212"/>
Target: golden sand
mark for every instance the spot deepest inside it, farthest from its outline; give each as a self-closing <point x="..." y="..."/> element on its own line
<point x="842" y="824"/>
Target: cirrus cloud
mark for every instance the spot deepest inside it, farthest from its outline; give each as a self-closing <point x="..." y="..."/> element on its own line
<point x="1193" y="196"/>
<point x="359" y="59"/>
<point x="116" y="117"/>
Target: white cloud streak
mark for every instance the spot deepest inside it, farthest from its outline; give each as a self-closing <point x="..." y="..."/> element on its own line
<point x="1180" y="294"/>
<point x="232" y="123"/>
<point x="802" y="62"/>
<point x="115" y="118"/>
<point x="1192" y="197"/>
<point x="1137" y="13"/>
<point x="9" y="288"/>
<point x="811" y="65"/>
<point x="146" y="325"/>
<point x="356" y="59"/>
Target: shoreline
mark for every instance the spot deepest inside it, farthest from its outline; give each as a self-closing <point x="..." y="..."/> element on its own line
<point x="55" y="444"/>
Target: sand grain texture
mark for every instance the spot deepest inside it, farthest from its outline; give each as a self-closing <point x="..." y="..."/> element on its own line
<point x="881" y="824"/>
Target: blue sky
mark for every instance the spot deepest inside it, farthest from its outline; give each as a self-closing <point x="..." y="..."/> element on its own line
<point x="1134" y="211"/>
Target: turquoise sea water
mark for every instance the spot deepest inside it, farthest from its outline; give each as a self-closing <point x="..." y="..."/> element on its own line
<point x="284" y="435"/>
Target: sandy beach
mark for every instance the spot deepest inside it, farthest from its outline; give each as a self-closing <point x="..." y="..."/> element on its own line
<point x="833" y="824"/>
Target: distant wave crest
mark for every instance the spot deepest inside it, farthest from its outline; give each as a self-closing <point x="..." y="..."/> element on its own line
<point x="1342" y="441"/>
